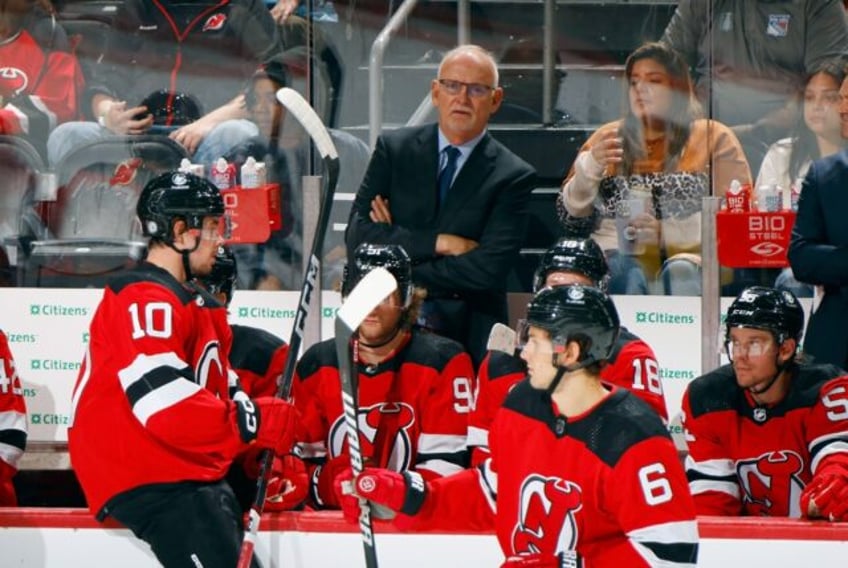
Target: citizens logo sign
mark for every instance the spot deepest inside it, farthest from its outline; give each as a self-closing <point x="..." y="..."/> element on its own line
<point x="664" y="318"/>
<point x="57" y="310"/>
<point x="53" y="365"/>
<point x="265" y="313"/>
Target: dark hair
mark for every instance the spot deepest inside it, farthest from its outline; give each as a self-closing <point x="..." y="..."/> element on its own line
<point x="684" y="110"/>
<point x="804" y="144"/>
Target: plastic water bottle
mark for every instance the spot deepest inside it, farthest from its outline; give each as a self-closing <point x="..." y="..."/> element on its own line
<point x="250" y="174"/>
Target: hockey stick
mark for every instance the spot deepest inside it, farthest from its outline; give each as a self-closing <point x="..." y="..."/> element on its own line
<point x="365" y="296"/>
<point x="299" y="109"/>
<point x="501" y="338"/>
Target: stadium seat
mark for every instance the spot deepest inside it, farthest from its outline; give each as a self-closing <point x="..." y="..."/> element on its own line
<point x="91" y="229"/>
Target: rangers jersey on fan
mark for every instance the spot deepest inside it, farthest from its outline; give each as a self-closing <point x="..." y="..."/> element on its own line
<point x="151" y="402"/>
<point x="632" y="365"/>
<point x="413" y="407"/>
<point x="607" y="484"/>
<point x="13" y="423"/>
<point x="39" y="90"/>
<point x="755" y="460"/>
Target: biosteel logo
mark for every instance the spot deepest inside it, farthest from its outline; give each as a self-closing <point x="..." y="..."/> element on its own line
<point x="54" y="310"/>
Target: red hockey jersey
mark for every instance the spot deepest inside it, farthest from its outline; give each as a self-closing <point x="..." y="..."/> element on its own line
<point x="258" y="358"/>
<point x="413" y="407"/>
<point x="746" y="459"/>
<point x="607" y="483"/>
<point x="632" y="365"/>
<point x="13" y="422"/>
<point x="151" y="402"/>
<point x="39" y="90"/>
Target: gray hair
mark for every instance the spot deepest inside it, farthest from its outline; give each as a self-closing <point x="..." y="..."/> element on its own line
<point x="474" y="50"/>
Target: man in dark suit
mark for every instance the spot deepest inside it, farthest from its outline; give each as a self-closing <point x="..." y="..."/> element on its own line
<point x="818" y="251"/>
<point x="454" y="198"/>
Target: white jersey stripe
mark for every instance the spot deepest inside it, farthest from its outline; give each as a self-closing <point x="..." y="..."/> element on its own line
<point x="440" y="443"/>
<point x="13" y="420"/>
<point x="711" y="468"/>
<point x="312" y="450"/>
<point x="667" y="533"/>
<point x="488" y="484"/>
<point x="10" y="454"/>
<point x="705" y="485"/>
<point x="145" y="363"/>
<point x="478" y="437"/>
<point x="440" y="467"/>
<point x="832" y="448"/>
<point x="164" y="397"/>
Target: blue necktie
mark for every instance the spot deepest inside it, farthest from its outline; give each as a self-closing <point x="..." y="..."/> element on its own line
<point x="446" y="177"/>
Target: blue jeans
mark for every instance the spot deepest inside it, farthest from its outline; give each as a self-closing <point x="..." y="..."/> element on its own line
<point x="626" y="275"/>
<point x="69" y="136"/>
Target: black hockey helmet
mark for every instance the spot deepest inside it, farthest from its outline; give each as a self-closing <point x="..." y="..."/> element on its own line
<point x="222" y="279"/>
<point x="577" y="313"/>
<point x="177" y="195"/>
<point x="583" y="256"/>
<point x="769" y="309"/>
<point x="391" y="257"/>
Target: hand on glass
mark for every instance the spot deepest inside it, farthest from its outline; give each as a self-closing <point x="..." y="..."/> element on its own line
<point x="647" y="228"/>
<point x="609" y="149"/>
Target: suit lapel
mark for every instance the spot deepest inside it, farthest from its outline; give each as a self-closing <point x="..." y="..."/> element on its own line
<point x="422" y="168"/>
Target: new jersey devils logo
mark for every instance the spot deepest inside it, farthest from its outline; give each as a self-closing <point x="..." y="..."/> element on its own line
<point x="214" y="23"/>
<point x="13" y="81"/>
<point x="771" y="484"/>
<point x="384" y="435"/>
<point x="125" y="172"/>
<point x="546" y="520"/>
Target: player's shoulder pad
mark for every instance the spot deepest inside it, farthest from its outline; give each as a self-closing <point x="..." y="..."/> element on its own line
<point x="431" y="350"/>
<point x="253" y="348"/>
<point x="321" y="354"/>
<point x="501" y="365"/>
<point x="144" y="272"/>
<point x="620" y="422"/>
<point x="714" y="391"/>
<point x="809" y="381"/>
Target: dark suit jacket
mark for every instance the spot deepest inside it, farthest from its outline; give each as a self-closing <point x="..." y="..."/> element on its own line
<point x="818" y="254"/>
<point x="488" y="203"/>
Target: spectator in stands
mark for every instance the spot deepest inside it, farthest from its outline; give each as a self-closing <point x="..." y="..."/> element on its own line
<point x="818" y="134"/>
<point x="41" y="81"/>
<point x="631" y="364"/>
<point x="415" y="389"/>
<point x="768" y="433"/>
<point x="816" y="250"/>
<point x="750" y="70"/>
<point x="179" y="68"/>
<point x="285" y="146"/>
<point x="638" y="181"/>
<point x="258" y="358"/>
<point x="13" y="423"/>
<point x="454" y="198"/>
<point x="283" y="9"/>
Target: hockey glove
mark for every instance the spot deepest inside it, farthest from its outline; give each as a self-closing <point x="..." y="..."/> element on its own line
<point x="267" y="421"/>
<point x="567" y="559"/>
<point x="288" y="485"/>
<point x="827" y="497"/>
<point x="324" y="477"/>
<point x="401" y="492"/>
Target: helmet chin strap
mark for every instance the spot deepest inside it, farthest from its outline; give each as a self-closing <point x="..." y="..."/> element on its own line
<point x="781" y="367"/>
<point x="400" y="327"/>
<point x="563" y="369"/>
<point x="184" y="255"/>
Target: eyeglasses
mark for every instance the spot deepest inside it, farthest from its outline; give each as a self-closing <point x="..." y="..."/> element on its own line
<point x="474" y="90"/>
<point x="750" y="349"/>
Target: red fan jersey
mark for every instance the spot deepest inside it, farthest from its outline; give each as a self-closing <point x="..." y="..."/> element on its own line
<point x="746" y="459"/>
<point x="39" y="90"/>
<point x="151" y="402"/>
<point x="413" y="407"/>
<point x="632" y="365"/>
<point x="607" y="484"/>
<point x="13" y="423"/>
<point x="258" y="358"/>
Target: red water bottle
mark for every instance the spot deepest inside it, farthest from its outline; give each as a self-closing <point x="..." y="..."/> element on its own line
<point x="738" y="198"/>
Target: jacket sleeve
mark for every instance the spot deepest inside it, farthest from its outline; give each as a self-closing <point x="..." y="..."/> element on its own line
<point x="812" y="256"/>
<point x="13" y="421"/>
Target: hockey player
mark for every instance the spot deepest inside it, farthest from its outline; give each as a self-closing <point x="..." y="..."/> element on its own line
<point x="579" y="471"/>
<point x="414" y="388"/>
<point x="153" y="428"/>
<point x="258" y="358"/>
<point x="632" y="363"/>
<point x="13" y="423"/>
<point x="768" y="433"/>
